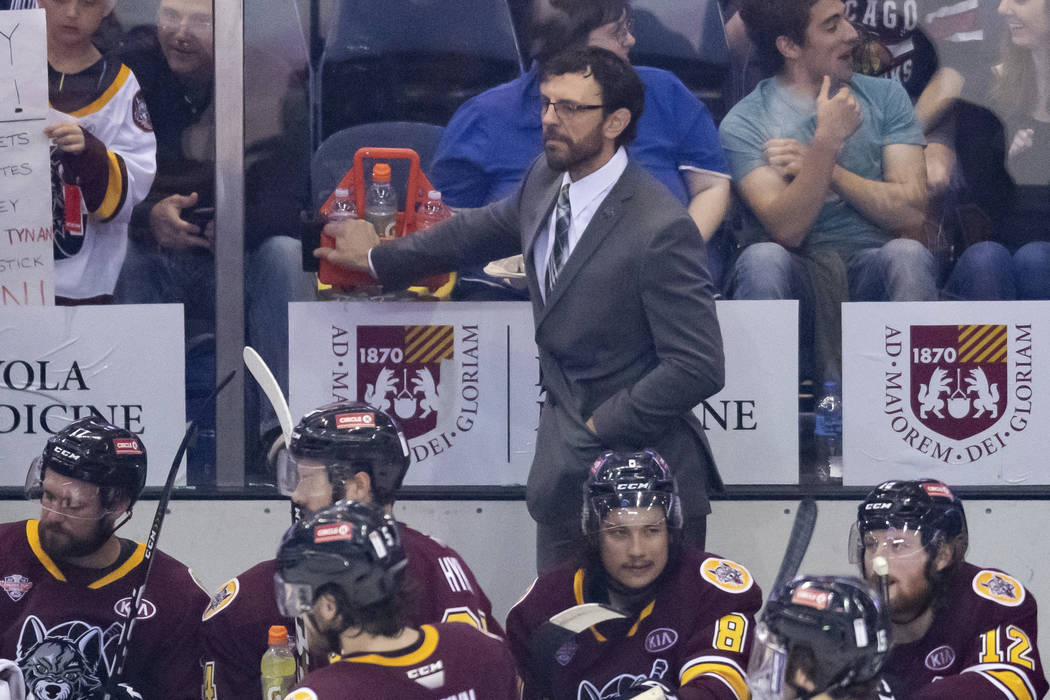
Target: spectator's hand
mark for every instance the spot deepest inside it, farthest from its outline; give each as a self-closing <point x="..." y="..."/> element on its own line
<point x="838" y="116"/>
<point x="786" y="156"/>
<point x="68" y="137"/>
<point x="353" y="239"/>
<point x="171" y="231"/>
<point x="1022" y="142"/>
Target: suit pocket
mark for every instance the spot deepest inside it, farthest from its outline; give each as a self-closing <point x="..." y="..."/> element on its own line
<point x="565" y="450"/>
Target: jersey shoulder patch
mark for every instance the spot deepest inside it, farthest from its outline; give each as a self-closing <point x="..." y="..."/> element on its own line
<point x="998" y="587"/>
<point x="221" y="599"/>
<point x="301" y="694"/>
<point x="726" y="575"/>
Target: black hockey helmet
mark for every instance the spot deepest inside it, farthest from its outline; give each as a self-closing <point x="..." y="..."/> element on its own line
<point x="348" y="437"/>
<point x="94" y="451"/>
<point x="831" y="628"/>
<point x="354" y="546"/>
<point x="629" y="480"/>
<point x="925" y="506"/>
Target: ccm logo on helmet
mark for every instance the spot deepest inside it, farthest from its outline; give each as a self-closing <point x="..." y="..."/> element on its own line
<point x="127" y="446"/>
<point x="877" y="506"/>
<point x="633" y="487"/>
<point x="355" y="420"/>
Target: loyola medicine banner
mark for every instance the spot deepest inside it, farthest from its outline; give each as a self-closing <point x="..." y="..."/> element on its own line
<point x="59" y="364"/>
<point x="951" y="390"/>
<point x="462" y="378"/>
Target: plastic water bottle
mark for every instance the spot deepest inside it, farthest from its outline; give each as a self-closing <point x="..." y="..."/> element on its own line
<point x="343" y="205"/>
<point x="277" y="665"/>
<point x="381" y="202"/>
<point x="432" y="211"/>
<point x="828" y="432"/>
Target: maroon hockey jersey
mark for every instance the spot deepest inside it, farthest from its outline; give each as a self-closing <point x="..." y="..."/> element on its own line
<point x="982" y="644"/>
<point x="694" y="637"/>
<point x="61" y="624"/>
<point x="441" y="588"/>
<point x="452" y="662"/>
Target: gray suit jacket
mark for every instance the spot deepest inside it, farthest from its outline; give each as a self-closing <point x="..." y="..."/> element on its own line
<point x="628" y="336"/>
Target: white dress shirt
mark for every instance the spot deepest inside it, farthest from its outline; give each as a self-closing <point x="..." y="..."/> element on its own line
<point x="585" y="196"/>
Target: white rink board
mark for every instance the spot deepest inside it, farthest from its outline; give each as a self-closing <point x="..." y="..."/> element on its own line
<point x="950" y="390"/>
<point x="126" y="361"/>
<point x="752" y="424"/>
<point x="487" y="384"/>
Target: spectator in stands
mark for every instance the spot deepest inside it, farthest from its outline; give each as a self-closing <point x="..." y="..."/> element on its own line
<point x="959" y="631"/>
<point x="491" y="140"/>
<point x="343" y="450"/>
<point x="688" y="616"/>
<point x="171" y="258"/>
<point x="104" y="152"/>
<point x="830" y="167"/>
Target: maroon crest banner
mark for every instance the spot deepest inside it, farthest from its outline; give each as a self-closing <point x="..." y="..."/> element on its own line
<point x="399" y="371"/>
<point x="959" y="377"/>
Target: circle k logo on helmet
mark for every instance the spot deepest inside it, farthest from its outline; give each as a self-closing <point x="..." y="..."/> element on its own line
<point x="333" y="532"/>
<point x="810" y="597"/>
<point x="355" y="420"/>
<point x="127" y="446"/>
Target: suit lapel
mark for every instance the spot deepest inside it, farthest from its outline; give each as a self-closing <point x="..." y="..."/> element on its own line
<point x="601" y="225"/>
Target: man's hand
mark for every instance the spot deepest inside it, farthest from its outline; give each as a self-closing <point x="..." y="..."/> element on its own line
<point x="68" y="137"/>
<point x="1022" y="141"/>
<point x="837" y="117"/>
<point x="353" y="239"/>
<point x="785" y="156"/>
<point x="171" y="231"/>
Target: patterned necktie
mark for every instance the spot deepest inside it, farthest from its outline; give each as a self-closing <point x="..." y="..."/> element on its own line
<point x="562" y="219"/>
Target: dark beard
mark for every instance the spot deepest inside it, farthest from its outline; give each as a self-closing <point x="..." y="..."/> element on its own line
<point x="62" y="548"/>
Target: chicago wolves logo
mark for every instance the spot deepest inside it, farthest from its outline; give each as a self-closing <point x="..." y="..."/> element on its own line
<point x="959" y="377"/>
<point x="997" y="586"/>
<point x="627" y="684"/>
<point x="15" y="586"/>
<point x="399" y="371"/>
<point x="68" y="660"/>
<point x="726" y="574"/>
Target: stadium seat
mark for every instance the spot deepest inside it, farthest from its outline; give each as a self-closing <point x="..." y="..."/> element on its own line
<point x="686" y="37"/>
<point x="415" y="60"/>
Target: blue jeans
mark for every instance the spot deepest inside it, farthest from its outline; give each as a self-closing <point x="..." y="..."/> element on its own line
<point x="986" y="271"/>
<point x="901" y="270"/>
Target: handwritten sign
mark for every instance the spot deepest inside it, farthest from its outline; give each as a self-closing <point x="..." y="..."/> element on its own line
<point x="26" y="255"/>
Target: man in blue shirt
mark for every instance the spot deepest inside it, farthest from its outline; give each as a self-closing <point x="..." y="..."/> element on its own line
<point x="829" y="162"/>
<point x="491" y="140"/>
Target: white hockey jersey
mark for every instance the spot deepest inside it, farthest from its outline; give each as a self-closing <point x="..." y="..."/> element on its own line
<point x="94" y="192"/>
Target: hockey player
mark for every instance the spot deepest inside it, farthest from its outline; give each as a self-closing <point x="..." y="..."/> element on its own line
<point x="960" y="631"/>
<point x="68" y="579"/>
<point x="344" y="569"/>
<point x="689" y="614"/>
<point x="342" y="450"/>
<point x="821" y="638"/>
<point x="104" y="155"/>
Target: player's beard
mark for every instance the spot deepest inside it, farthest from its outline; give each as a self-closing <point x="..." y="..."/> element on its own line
<point x="906" y="608"/>
<point x="563" y="153"/>
<point x="62" y="545"/>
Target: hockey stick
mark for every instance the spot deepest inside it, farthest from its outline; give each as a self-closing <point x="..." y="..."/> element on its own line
<point x="124" y="642"/>
<point x="262" y="374"/>
<point x="798" y="542"/>
<point x="260" y="371"/>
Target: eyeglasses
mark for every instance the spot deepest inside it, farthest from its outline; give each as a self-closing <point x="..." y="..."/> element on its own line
<point x="172" y="20"/>
<point x="565" y="110"/>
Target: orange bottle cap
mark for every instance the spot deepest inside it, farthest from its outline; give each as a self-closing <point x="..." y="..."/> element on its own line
<point x="278" y="635"/>
<point x="381" y="172"/>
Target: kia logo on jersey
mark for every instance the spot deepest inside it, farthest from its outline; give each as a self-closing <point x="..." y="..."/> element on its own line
<point x="660" y="639"/>
<point x="941" y="658"/>
<point x="146" y="609"/>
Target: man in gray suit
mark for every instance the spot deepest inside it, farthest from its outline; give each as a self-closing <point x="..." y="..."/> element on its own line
<point x="625" y="319"/>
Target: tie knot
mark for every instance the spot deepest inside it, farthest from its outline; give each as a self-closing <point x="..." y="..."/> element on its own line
<point x="563" y="196"/>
